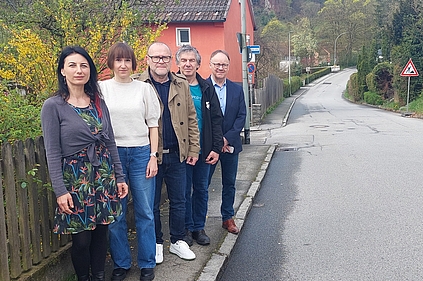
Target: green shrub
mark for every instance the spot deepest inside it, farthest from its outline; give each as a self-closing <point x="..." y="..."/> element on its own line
<point x="416" y="105"/>
<point x="353" y="88"/>
<point x="370" y="81"/>
<point x="372" y="98"/>
<point x="316" y="75"/>
<point x="380" y="80"/>
<point x="19" y="119"/>
<point x="392" y="105"/>
<point x="296" y="83"/>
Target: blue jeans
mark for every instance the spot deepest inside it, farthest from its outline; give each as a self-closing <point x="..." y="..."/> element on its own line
<point x="134" y="162"/>
<point x="173" y="172"/>
<point x="197" y="195"/>
<point x="229" y="166"/>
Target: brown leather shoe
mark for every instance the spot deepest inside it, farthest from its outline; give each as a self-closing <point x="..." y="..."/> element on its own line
<point x="230" y="226"/>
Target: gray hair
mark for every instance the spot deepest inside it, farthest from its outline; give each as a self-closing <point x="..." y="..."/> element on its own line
<point x="186" y="49"/>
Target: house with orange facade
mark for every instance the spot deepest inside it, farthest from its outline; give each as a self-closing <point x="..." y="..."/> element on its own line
<point x="207" y="25"/>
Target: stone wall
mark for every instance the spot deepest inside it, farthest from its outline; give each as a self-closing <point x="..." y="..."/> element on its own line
<point x="256" y="113"/>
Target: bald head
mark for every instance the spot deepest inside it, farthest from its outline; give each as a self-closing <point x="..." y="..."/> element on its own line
<point x="159" y="45"/>
<point x="159" y="61"/>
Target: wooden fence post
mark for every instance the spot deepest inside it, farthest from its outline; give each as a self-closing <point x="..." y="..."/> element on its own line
<point x="22" y="199"/>
<point x="4" y="257"/>
<point x="47" y="236"/>
<point x="12" y="215"/>
<point x="34" y="209"/>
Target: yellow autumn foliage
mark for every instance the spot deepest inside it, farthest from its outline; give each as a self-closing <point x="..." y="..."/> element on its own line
<point x="29" y="57"/>
<point x="29" y="51"/>
<point x="27" y="60"/>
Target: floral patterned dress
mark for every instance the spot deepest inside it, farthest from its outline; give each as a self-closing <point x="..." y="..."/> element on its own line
<point x="93" y="189"/>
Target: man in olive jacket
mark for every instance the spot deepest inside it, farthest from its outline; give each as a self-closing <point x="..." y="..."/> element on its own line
<point x="178" y="145"/>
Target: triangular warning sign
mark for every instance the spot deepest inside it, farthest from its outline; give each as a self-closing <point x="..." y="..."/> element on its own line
<point x="409" y="69"/>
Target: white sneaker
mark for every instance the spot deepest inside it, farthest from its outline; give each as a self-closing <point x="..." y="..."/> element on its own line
<point x="159" y="253"/>
<point x="181" y="249"/>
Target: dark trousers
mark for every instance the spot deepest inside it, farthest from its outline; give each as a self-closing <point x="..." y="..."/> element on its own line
<point x="229" y="166"/>
<point x="173" y="173"/>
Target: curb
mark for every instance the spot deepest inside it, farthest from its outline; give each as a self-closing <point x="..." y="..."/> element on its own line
<point x="218" y="260"/>
<point x="285" y="118"/>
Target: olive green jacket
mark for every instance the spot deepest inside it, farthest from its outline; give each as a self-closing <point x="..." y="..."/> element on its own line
<point x="183" y="115"/>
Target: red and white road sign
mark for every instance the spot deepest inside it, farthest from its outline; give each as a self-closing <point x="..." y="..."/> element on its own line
<point x="410" y="70"/>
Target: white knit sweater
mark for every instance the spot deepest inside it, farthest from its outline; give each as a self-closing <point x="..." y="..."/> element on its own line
<point x="133" y="108"/>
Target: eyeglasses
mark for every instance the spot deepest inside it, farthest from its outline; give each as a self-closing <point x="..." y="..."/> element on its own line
<point x="156" y="59"/>
<point x="220" y="65"/>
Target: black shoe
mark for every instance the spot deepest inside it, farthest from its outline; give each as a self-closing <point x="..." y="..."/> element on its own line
<point x="84" y="278"/>
<point x="188" y="238"/>
<point x="119" y="274"/>
<point x="147" y="274"/>
<point x="201" y="237"/>
<point x="99" y="276"/>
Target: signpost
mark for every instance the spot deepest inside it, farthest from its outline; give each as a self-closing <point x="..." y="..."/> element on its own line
<point x="254" y="49"/>
<point x="251" y="68"/>
<point x="409" y="71"/>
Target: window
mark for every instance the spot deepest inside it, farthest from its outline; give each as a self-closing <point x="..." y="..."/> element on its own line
<point x="183" y="36"/>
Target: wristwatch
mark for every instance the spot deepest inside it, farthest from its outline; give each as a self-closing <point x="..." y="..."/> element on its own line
<point x="154" y="154"/>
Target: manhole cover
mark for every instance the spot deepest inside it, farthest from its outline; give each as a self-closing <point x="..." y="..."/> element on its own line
<point x="319" y="126"/>
<point x="287" y="149"/>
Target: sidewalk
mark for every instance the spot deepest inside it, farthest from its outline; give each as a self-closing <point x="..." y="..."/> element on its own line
<point x="253" y="163"/>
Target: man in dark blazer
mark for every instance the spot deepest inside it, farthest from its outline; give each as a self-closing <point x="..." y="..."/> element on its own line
<point x="232" y="104"/>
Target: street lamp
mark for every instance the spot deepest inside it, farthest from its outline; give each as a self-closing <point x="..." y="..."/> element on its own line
<point x="289" y="62"/>
<point x="334" y="51"/>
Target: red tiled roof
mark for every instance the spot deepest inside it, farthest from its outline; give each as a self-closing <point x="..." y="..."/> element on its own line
<point x="192" y="11"/>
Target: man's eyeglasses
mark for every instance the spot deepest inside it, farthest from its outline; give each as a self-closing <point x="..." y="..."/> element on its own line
<point x="220" y="65"/>
<point x="156" y="59"/>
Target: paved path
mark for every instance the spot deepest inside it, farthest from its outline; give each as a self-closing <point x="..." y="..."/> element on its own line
<point x="253" y="162"/>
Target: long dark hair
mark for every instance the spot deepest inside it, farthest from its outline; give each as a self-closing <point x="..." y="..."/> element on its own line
<point x="91" y="88"/>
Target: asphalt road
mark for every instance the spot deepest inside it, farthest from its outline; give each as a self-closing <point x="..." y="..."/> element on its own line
<point x="342" y="198"/>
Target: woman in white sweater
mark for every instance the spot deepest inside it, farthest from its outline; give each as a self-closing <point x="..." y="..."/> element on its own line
<point x="134" y="111"/>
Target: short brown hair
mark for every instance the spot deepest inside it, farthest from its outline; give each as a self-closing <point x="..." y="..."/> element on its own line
<point x="220" y="51"/>
<point x="121" y="50"/>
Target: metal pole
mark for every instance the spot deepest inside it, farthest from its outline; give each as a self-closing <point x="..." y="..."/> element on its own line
<point x="334" y="50"/>
<point x="244" y="73"/>
<point x="408" y="92"/>
<point x="251" y="91"/>
<point x="289" y="62"/>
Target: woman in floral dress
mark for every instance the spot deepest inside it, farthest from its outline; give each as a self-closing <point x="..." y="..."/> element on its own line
<point x="83" y="162"/>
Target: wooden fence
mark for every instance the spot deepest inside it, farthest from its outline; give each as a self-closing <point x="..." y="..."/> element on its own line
<point x="265" y="97"/>
<point x="26" y="219"/>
